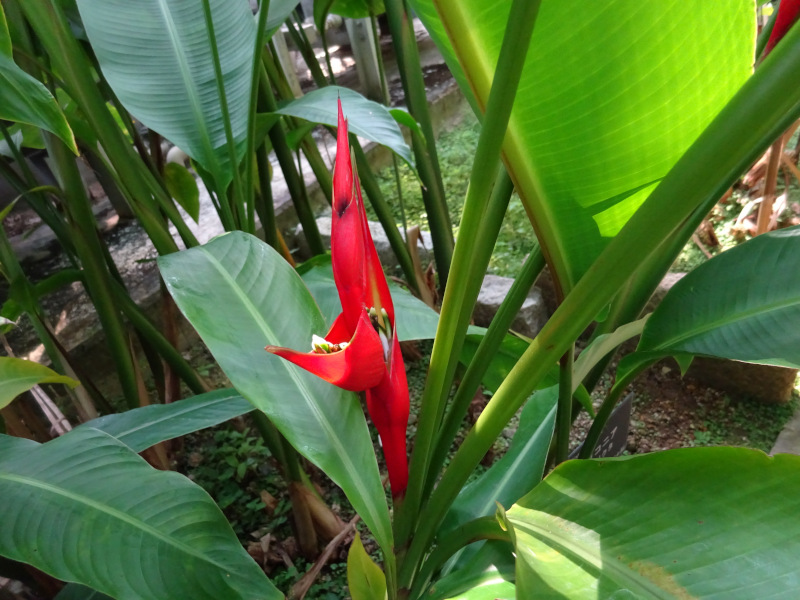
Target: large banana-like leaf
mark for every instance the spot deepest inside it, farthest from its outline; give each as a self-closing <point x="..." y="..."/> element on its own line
<point x="18" y="376"/>
<point x="86" y="508"/>
<point x="157" y="57"/>
<point x="743" y="305"/>
<point x="143" y="427"/>
<point x="610" y="97"/>
<point x="689" y="523"/>
<point x="240" y="295"/>
<point x="24" y="99"/>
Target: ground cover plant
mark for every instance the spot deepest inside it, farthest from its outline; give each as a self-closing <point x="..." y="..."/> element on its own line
<point x="619" y="132"/>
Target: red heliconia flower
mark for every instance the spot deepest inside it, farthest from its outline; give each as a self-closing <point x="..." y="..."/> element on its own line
<point x="361" y="351"/>
<point x="788" y="13"/>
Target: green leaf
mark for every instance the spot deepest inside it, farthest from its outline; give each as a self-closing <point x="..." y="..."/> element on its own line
<point x="603" y="345"/>
<point x="415" y="319"/>
<point x="183" y="188"/>
<point x="740" y="305"/>
<point x="488" y="575"/>
<point x="403" y="117"/>
<point x="606" y="105"/>
<point x="23" y="99"/>
<point x="364" y="578"/>
<point x="688" y="523"/>
<point x="279" y="11"/>
<point x="357" y="9"/>
<point x="143" y="427"/>
<point x="18" y="376"/>
<point x="365" y="118"/>
<point x="241" y="295"/>
<point x="85" y="508"/>
<point x="157" y="57"/>
<point x="6" y="48"/>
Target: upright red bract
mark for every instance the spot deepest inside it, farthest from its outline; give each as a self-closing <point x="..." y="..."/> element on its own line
<point x="361" y="351"/>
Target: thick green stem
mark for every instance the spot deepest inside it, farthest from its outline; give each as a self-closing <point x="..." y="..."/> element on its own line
<point x="98" y="280"/>
<point x="427" y="160"/>
<point x="264" y="202"/>
<point x="489" y="345"/>
<point x="300" y="39"/>
<point x="296" y="187"/>
<point x="461" y="293"/>
<point x="762" y="109"/>
<point x="564" y="411"/>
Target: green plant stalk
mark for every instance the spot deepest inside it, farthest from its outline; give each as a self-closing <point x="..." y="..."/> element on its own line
<point x="157" y="340"/>
<point x="489" y="345"/>
<point x="384" y="214"/>
<point x="763" y="36"/>
<point x="284" y="154"/>
<point x="564" y="410"/>
<point x="248" y="190"/>
<point x="47" y="20"/>
<point x="96" y="276"/>
<point x="484" y="528"/>
<point x="457" y="305"/>
<point x="264" y="202"/>
<point x="762" y="109"/>
<point x="306" y="51"/>
<point x="37" y="200"/>
<point x="239" y="202"/>
<point x="433" y="193"/>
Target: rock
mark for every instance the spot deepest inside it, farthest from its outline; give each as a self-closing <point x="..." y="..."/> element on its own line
<point x="788" y="441"/>
<point x="531" y="317"/>
<point x="385" y="252"/>
<point x="768" y="384"/>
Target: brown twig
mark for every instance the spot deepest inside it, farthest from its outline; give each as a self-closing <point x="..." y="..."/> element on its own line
<point x="300" y="589"/>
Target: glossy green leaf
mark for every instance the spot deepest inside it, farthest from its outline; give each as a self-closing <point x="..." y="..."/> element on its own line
<point x="520" y="468"/>
<point x="487" y="575"/>
<point x="86" y="508"/>
<point x="365" y="579"/>
<point x="365" y="118"/>
<point x="23" y="99"/>
<point x="143" y="427"/>
<point x="357" y="9"/>
<point x="415" y="319"/>
<point x="689" y="523"/>
<point x="279" y="11"/>
<point x="18" y="376"/>
<point x="183" y="188"/>
<point x="6" y="48"/>
<point x="403" y="117"/>
<point x="602" y="346"/>
<point x="157" y="57"/>
<point x="606" y="104"/>
<point x="743" y="304"/>
<point x="240" y="295"/>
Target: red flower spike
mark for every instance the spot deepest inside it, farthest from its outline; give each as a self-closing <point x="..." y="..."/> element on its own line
<point x="788" y="13"/>
<point x="371" y="361"/>
<point x="356" y="367"/>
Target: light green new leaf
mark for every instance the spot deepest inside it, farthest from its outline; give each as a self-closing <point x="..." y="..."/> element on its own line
<point x="183" y="188"/>
<point x="157" y="57"/>
<point x="488" y="575"/>
<point x="365" y="579"/>
<point x="143" y="427"/>
<point x="610" y="97"/>
<point x="689" y="523"/>
<point x="23" y="99"/>
<point x="365" y="118"/>
<point x="240" y="295"/>
<point x="415" y="319"/>
<point x="86" y="508"/>
<point x="743" y="304"/>
<point x="18" y="376"/>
